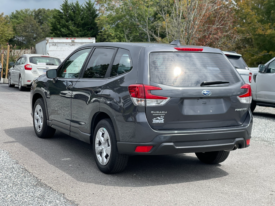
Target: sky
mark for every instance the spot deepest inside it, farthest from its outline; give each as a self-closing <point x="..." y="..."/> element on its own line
<point x="9" y="6"/>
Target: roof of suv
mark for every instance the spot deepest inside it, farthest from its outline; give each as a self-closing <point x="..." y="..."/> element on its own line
<point x="152" y="46"/>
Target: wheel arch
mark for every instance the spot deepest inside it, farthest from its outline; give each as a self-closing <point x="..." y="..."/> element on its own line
<point x="100" y="115"/>
<point x="35" y="97"/>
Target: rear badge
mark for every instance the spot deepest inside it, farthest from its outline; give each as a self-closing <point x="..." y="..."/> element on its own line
<point x="206" y="92"/>
<point x="158" y="119"/>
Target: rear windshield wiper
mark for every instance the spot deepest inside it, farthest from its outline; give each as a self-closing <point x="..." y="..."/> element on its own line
<point x="212" y="83"/>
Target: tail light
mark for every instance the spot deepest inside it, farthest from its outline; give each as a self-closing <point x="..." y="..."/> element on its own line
<point x="28" y="67"/>
<point x="141" y="95"/>
<point x="247" y="97"/>
<point x="250" y="77"/>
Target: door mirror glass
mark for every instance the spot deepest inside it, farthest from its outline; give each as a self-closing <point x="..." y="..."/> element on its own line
<point x="261" y="68"/>
<point x="51" y="74"/>
<point x="11" y="64"/>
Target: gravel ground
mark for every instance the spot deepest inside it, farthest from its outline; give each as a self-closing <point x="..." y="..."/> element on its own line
<point x="264" y="125"/>
<point x="19" y="187"/>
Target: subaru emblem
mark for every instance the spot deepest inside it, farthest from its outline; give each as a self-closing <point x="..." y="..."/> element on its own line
<point x="206" y="92"/>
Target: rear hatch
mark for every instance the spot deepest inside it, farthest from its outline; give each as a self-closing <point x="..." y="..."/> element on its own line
<point x="193" y="104"/>
<point x="40" y="64"/>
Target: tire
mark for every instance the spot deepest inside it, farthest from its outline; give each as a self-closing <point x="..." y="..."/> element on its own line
<point x="253" y="106"/>
<point x="20" y="87"/>
<point x="39" y="116"/>
<point x="113" y="162"/>
<point x="9" y="82"/>
<point x="213" y="157"/>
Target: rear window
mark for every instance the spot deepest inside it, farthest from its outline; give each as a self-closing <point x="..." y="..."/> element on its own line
<point x="45" y="61"/>
<point x="237" y="62"/>
<point x="189" y="69"/>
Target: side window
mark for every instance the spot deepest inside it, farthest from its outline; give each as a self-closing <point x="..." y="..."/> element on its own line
<point x="122" y="63"/>
<point x="23" y="60"/>
<point x="72" y="67"/>
<point x="99" y="63"/>
<point x="271" y="67"/>
<point x="18" y="61"/>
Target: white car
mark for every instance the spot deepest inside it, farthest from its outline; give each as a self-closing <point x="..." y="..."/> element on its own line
<point x="237" y="61"/>
<point x="28" y="67"/>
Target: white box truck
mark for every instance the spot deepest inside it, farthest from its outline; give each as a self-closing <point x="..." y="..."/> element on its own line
<point x="61" y="47"/>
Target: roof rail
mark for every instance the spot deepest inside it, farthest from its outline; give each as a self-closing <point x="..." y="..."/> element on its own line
<point x="176" y="42"/>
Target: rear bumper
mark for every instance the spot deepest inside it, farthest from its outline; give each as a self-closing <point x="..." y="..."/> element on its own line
<point x="190" y="142"/>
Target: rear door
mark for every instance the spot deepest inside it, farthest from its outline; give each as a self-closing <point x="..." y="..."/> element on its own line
<point x="86" y="94"/>
<point x="266" y="84"/>
<point x="191" y="105"/>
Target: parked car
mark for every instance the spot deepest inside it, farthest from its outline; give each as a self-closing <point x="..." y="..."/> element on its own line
<point x="263" y="85"/>
<point x="28" y="67"/>
<point x="145" y="99"/>
<point x="238" y="62"/>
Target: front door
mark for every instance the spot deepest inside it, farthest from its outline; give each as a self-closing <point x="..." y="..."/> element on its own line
<point x="59" y="103"/>
<point x="266" y="84"/>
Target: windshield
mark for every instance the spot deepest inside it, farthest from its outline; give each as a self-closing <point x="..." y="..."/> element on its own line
<point x="237" y="62"/>
<point x="181" y="69"/>
<point x="45" y="61"/>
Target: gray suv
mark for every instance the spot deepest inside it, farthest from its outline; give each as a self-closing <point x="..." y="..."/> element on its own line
<point x="145" y="99"/>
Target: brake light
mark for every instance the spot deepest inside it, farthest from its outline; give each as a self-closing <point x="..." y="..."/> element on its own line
<point x="247" y="97"/>
<point x="247" y="142"/>
<point x="189" y="49"/>
<point x="143" y="148"/>
<point x="28" y="67"/>
<point x="250" y="77"/>
<point x="141" y="95"/>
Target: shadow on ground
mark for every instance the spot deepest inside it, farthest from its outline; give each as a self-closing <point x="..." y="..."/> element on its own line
<point x="75" y="159"/>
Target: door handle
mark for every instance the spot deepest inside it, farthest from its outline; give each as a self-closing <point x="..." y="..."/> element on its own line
<point x="97" y="90"/>
<point x="69" y="85"/>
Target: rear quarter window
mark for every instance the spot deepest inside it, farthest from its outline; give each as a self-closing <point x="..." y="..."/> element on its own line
<point x="182" y="69"/>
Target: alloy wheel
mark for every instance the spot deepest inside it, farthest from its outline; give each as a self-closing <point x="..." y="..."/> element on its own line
<point x="38" y="118"/>
<point x="103" y="146"/>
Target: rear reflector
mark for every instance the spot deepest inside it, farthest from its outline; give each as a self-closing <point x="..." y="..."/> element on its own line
<point x="247" y="97"/>
<point x="143" y="148"/>
<point x="28" y="80"/>
<point x="247" y="142"/>
<point x="250" y="77"/>
<point x="189" y="49"/>
<point x="141" y="95"/>
<point x="28" y="67"/>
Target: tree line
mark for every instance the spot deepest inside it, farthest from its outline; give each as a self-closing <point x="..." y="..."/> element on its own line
<point x="244" y="26"/>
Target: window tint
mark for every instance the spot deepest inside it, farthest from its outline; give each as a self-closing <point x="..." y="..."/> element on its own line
<point x="45" y="61"/>
<point x="71" y="68"/>
<point x="122" y="63"/>
<point x="237" y="62"/>
<point x="99" y="63"/>
<point x="190" y="69"/>
<point x="271" y="68"/>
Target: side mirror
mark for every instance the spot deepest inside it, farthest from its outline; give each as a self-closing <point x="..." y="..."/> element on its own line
<point x="51" y="74"/>
<point x="261" y="68"/>
<point x="11" y="64"/>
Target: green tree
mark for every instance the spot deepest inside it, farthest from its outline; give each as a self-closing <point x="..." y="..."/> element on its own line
<point x="6" y="31"/>
<point x="256" y="27"/>
<point x="20" y="18"/>
<point x="28" y="32"/>
<point x="75" y="20"/>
